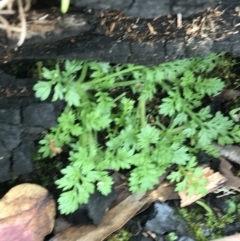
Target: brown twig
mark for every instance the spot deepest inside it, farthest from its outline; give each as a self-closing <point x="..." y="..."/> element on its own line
<point x="23" y="23"/>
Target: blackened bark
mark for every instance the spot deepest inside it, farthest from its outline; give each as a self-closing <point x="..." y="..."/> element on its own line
<point x="23" y="119"/>
<point x="113" y="37"/>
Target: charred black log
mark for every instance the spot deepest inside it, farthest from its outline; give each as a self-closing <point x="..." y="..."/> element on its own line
<point x="114" y="37"/>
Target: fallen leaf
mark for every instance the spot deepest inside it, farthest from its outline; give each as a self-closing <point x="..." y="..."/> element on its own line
<point x="121" y="188"/>
<point x="231" y="152"/>
<point x="214" y="180"/>
<point x="166" y="191"/>
<point x="226" y="94"/>
<point x="54" y="149"/>
<point x="27" y="213"/>
<point x="232" y="182"/>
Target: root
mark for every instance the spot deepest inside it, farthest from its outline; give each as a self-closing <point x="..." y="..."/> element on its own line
<point x="6" y="8"/>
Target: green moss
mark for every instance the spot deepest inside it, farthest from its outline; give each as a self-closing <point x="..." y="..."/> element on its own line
<point x="121" y="235"/>
<point x="172" y="236"/>
<point x="203" y="224"/>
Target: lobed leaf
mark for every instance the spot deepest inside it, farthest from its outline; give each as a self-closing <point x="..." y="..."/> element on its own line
<point x="42" y="89"/>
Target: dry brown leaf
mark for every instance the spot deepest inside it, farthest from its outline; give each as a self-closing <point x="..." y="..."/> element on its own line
<point x="232" y="182"/>
<point x="121" y="188"/>
<point x="214" y="180"/>
<point x="54" y="149"/>
<point x="231" y="152"/>
<point x="226" y="94"/>
<point x="164" y="192"/>
<point x="27" y="213"/>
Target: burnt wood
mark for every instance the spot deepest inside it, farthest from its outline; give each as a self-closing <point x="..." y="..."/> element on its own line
<point x="111" y="36"/>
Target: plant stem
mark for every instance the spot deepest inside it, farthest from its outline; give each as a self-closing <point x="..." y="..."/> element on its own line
<point x="165" y="86"/>
<point x="90" y="138"/>
<point x="121" y="84"/>
<point x="98" y="80"/>
<point x="119" y="97"/>
<point x="142" y="109"/>
<point x="159" y="124"/>
<point x="206" y="207"/>
<point x="177" y="130"/>
<point x="39" y="69"/>
<point x="84" y="72"/>
<point x="83" y="139"/>
<point x="185" y="108"/>
<point x="192" y="115"/>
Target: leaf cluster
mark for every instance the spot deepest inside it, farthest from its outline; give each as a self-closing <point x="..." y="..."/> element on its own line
<point x="106" y="123"/>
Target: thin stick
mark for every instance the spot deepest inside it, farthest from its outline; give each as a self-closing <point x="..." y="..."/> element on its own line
<point x="23" y="23"/>
<point x="7" y="12"/>
<point x="5" y="25"/>
<point x="27" y="6"/>
<point x="10" y="27"/>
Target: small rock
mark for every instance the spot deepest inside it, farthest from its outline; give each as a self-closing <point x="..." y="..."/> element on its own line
<point x="39" y="115"/>
<point x="10" y="136"/>
<point x="9" y="115"/>
<point x="22" y="157"/>
<point x="161" y="219"/>
<point x="5" y="164"/>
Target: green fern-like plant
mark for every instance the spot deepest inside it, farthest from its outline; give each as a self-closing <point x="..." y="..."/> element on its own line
<point x="127" y="116"/>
